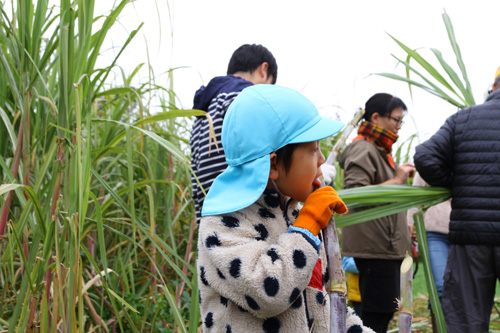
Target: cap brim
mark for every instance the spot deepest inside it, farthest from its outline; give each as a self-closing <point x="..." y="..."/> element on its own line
<point x="325" y="127"/>
<point x="237" y="187"/>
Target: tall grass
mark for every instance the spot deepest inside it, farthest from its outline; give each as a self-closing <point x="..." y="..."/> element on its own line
<point x="97" y="226"/>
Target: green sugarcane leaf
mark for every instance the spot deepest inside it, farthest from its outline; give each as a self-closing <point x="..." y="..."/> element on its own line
<point x="170" y="115"/>
<point x="429" y="278"/>
<point x="408" y="59"/>
<point x="456" y="49"/>
<point x="432" y="85"/>
<point x="381" y="211"/>
<point x="174" y="308"/>
<point x="393" y="198"/>
<point x="417" y="84"/>
<point x="100" y="232"/>
<point x="454" y="77"/>
<point x="10" y="130"/>
<point x="121" y="300"/>
<point x="194" y="314"/>
<point x="426" y="65"/>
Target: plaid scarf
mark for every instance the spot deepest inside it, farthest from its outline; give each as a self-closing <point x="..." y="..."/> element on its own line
<point x="377" y="134"/>
<point x="369" y="131"/>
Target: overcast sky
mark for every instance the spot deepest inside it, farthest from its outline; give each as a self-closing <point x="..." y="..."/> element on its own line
<point x="326" y="49"/>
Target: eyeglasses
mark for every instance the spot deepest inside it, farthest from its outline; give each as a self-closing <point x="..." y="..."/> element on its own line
<point x="399" y="121"/>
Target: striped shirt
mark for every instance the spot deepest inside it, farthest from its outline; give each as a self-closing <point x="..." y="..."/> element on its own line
<point x="207" y="154"/>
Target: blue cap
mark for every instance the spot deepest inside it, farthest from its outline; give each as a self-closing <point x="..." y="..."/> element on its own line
<point x="262" y="119"/>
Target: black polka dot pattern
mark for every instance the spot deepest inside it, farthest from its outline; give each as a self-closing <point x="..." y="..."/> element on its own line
<point x="271" y="198"/>
<point x="203" y="276"/>
<point x="230" y="222"/>
<point x="326" y="277"/>
<point x="271" y="286"/>
<point x="299" y="259"/>
<point x="223" y="301"/>
<point x="320" y="298"/>
<point x="209" y="319"/>
<point x="241" y="309"/>
<point x="271" y="325"/>
<point x="199" y="298"/>
<point x="265" y="214"/>
<point x="228" y="329"/>
<point x="295" y="294"/>
<point x="219" y="273"/>
<point x="273" y="254"/>
<point x="235" y="267"/>
<point x="355" y="329"/>
<point x="295" y="213"/>
<point x="212" y="241"/>
<point x="297" y="303"/>
<point x="252" y="303"/>
<point x="263" y="233"/>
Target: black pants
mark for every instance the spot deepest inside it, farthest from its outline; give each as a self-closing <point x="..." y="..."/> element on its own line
<point x="379" y="284"/>
<point x="469" y="287"/>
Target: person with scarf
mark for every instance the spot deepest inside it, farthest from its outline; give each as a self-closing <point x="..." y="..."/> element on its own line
<point x="378" y="246"/>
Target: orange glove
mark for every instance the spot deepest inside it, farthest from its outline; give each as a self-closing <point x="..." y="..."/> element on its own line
<point x="317" y="209"/>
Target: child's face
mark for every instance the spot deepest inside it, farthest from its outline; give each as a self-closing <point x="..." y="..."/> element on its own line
<point x="302" y="177"/>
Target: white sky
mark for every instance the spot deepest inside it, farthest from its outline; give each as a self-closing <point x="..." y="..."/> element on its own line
<point x="326" y="49"/>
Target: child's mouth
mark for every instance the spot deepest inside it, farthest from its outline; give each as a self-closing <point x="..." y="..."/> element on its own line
<point x="317" y="183"/>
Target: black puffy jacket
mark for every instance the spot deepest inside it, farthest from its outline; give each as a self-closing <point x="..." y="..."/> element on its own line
<point x="464" y="155"/>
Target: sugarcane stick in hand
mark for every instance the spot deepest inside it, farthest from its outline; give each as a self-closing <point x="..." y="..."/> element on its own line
<point x="405" y="304"/>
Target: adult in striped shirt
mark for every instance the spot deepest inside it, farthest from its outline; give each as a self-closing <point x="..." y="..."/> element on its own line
<point x="250" y="64"/>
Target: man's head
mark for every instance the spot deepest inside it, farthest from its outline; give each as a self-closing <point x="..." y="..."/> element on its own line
<point x="254" y="63"/>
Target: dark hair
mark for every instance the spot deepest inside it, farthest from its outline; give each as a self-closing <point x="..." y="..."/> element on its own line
<point x="284" y="154"/>
<point x="248" y="57"/>
<point x="383" y="104"/>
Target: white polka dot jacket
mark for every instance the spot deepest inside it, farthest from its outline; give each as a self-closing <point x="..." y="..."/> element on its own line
<point x="257" y="273"/>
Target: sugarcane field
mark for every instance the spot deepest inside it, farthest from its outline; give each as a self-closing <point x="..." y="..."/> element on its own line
<point x="264" y="166"/>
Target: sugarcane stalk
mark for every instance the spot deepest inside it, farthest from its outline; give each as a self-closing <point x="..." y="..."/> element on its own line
<point x="345" y="134"/>
<point x="338" y="289"/>
<point x="405" y="303"/>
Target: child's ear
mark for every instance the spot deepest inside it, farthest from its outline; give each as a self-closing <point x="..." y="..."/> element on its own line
<point x="273" y="171"/>
<point x="263" y="70"/>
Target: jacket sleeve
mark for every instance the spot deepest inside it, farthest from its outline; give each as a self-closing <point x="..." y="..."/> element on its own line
<point x="264" y="276"/>
<point x="434" y="158"/>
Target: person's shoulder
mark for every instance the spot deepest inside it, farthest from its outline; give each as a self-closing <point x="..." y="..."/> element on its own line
<point x="358" y="149"/>
<point x="220" y="87"/>
<point x="230" y="83"/>
<point x="361" y="147"/>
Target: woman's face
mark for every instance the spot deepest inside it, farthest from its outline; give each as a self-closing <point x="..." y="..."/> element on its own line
<point x="390" y="122"/>
<point x="302" y="176"/>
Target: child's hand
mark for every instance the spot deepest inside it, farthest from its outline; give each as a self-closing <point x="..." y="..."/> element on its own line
<point x="317" y="209"/>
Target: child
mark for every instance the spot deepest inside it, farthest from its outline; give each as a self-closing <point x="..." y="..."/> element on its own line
<point x="261" y="265"/>
<point x="250" y="64"/>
